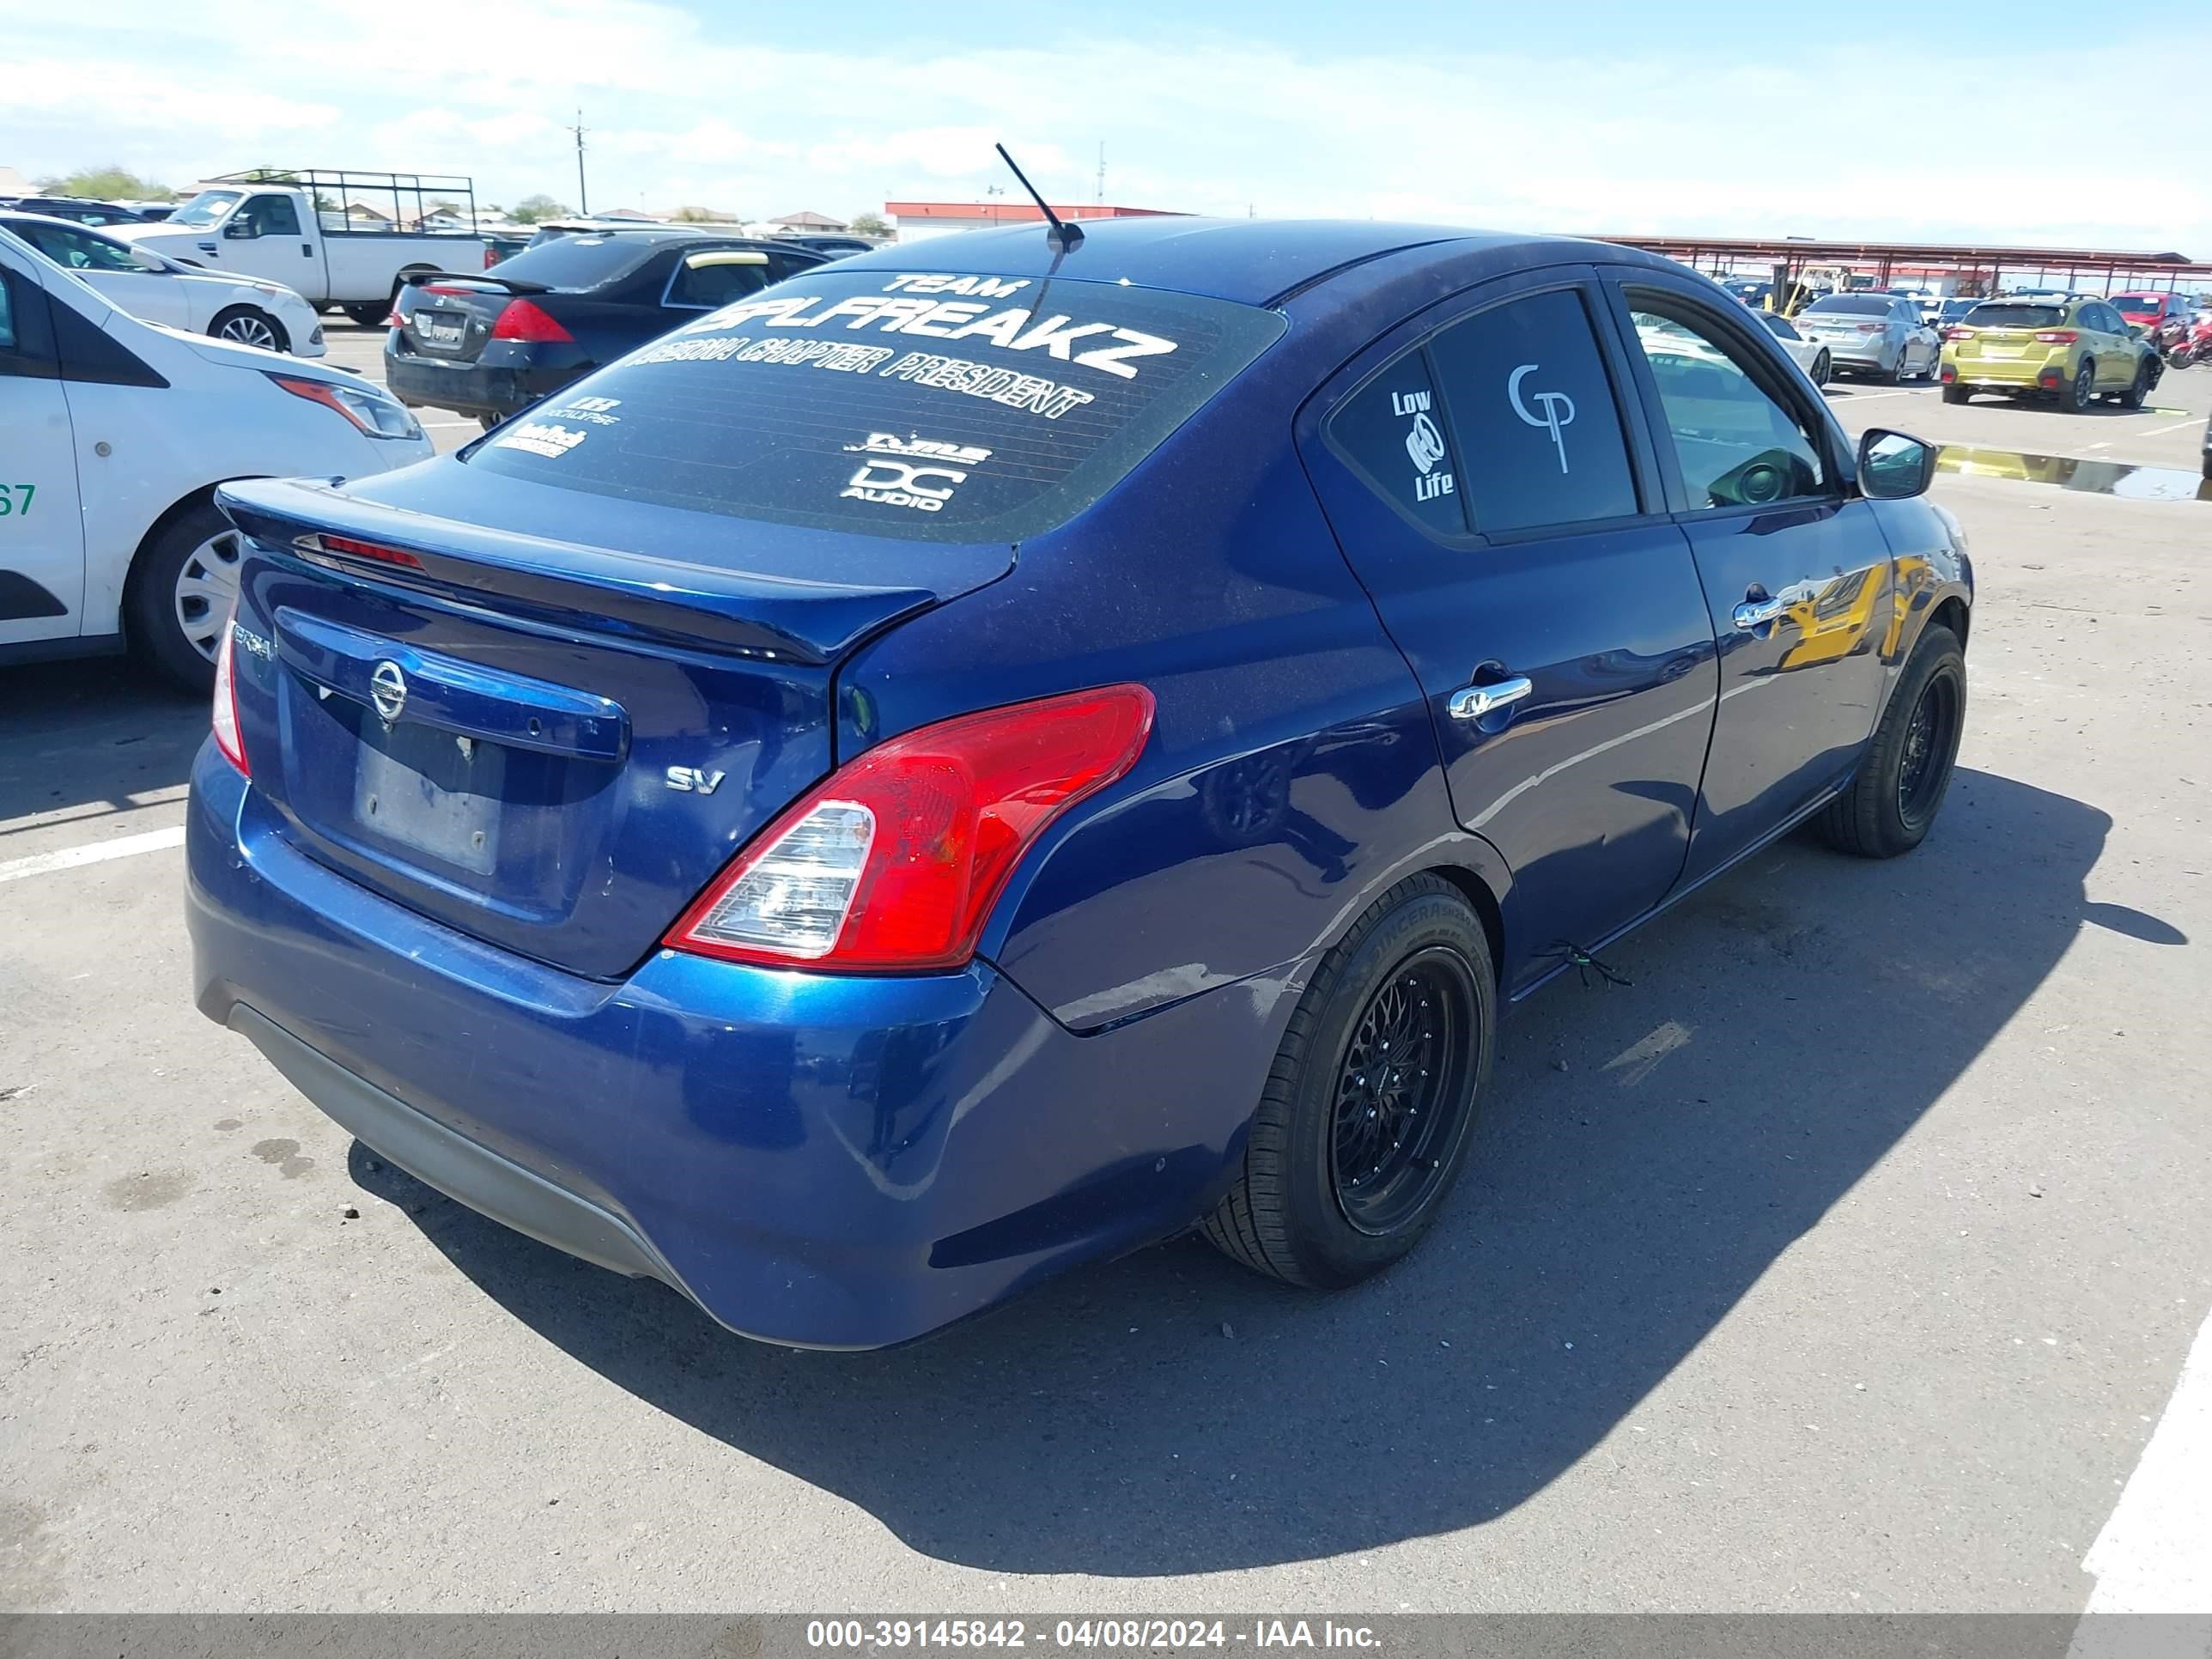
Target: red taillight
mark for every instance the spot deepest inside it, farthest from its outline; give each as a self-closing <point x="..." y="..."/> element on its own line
<point x="491" y="256"/>
<point x="893" y="861"/>
<point x="395" y="320"/>
<point x="2055" y="337"/>
<point x="1958" y="334"/>
<point x="1872" y="328"/>
<point x="224" y="714"/>
<point x="372" y="550"/>
<point x="522" y="321"/>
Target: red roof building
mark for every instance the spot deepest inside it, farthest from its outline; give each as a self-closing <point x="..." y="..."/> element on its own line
<point x="915" y="220"/>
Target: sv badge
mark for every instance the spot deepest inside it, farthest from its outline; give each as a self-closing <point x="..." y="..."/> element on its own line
<point x="693" y="781"/>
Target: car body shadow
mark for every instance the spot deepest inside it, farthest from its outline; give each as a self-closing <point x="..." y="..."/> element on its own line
<point x="101" y="733"/>
<point x="1648" y="1154"/>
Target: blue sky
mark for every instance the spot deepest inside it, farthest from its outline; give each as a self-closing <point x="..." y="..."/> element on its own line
<point x="1930" y="122"/>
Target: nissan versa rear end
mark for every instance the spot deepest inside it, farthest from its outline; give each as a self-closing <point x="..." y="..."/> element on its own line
<point x="926" y="775"/>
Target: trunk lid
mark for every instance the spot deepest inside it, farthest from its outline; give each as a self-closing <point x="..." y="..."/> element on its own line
<point x="451" y="317"/>
<point x="534" y="739"/>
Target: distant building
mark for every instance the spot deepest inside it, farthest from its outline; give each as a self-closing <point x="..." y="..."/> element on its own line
<point x="914" y="221"/>
<point x="13" y="183"/>
<point x="637" y="214"/>
<point x="812" y="224"/>
<point x="366" y="213"/>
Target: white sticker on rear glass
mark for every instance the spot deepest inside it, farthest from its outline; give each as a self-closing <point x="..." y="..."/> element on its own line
<point x="540" y="438"/>
<point x="917" y="473"/>
<point x="1425" y="446"/>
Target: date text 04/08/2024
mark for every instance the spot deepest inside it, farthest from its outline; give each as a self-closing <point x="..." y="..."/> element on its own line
<point x="912" y="1634"/>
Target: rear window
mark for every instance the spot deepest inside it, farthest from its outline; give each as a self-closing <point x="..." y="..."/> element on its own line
<point x="929" y="406"/>
<point x="2016" y="316"/>
<point x="578" y="261"/>
<point x="2140" y="302"/>
<point x="1856" y="304"/>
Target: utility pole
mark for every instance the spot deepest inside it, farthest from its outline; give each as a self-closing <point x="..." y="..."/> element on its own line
<point x="583" y="196"/>
<point x="1100" y="198"/>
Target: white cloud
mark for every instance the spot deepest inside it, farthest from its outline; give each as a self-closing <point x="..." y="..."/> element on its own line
<point x="692" y="109"/>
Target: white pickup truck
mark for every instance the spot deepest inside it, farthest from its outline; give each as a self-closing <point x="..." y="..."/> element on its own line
<point x="349" y="253"/>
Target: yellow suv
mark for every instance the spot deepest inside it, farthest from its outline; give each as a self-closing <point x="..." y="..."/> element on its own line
<point x="2077" y="350"/>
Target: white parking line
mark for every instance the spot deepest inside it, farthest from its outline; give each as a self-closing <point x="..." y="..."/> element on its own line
<point x="2155" y="1554"/>
<point x="2175" y="427"/>
<point x="92" y="852"/>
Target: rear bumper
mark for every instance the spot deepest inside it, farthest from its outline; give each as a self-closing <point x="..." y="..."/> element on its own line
<point x="2023" y="373"/>
<point x="477" y="388"/>
<point x="814" y="1160"/>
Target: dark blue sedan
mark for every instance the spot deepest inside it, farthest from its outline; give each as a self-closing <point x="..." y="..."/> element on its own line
<point x="982" y="757"/>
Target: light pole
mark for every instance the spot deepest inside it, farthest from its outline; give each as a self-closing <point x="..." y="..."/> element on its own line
<point x="583" y="196"/>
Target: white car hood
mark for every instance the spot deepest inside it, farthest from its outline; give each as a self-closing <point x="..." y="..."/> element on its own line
<point x="232" y="355"/>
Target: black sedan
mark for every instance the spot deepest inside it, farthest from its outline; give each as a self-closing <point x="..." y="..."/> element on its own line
<point x="488" y="345"/>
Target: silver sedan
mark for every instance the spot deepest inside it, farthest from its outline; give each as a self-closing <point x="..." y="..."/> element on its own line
<point x="1878" y="334"/>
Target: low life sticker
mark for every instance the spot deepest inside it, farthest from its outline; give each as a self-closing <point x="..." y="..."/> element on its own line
<point x="914" y="472"/>
<point x="540" y="438"/>
<point x="1424" y="445"/>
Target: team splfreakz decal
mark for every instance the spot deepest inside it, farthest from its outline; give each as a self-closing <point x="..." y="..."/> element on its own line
<point x="944" y="308"/>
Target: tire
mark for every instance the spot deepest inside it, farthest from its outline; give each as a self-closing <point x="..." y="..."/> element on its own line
<point x="2134" y="396"/>
<point x="1957" y="392"/>
<point x="490" y="422"/>
<point x="1891" y="801"/>
<point x="246" y="325"/>
<point x="1288" y="1214"/>
<point x="2078" y="393"/>
<point x="369" y="316"/>
<point x="1892" y="376"/>
<point x="1823" y="370"/>
<point x="179" y="594"/>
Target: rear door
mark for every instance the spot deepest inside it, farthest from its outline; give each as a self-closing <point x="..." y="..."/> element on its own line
<point x="1483" y="480"/>
<point x="1794" y="566"/>
<point x="41" y="531"/>
<point x="2115" y="347"/>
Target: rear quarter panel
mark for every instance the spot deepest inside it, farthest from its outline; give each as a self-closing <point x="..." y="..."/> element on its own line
<point x="1292" y="773"/>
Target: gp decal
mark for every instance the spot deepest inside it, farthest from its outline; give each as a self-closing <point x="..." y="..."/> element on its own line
<point x="1111" y="349"/>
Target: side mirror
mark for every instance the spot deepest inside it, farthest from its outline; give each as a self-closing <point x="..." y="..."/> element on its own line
<point x="1893" y="466"/>
<point x="244" y="230"/>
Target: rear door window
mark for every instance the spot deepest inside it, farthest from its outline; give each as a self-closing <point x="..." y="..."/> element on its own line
<point x="1534" y="415"/>
<point x="579" y="261"/>
<point x="926" y="405"/>
<point x="709" y="280"/>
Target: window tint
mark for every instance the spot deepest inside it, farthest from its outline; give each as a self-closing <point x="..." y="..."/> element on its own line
<point x="1853" y="305"/>
<point x="711" y="280"/>
<point x="1738" y="444"/>
<point x="2015" y="316"/>
<point x="7" y="314"/>
<point x="77" y="250"/>
<point x="1532" y="416"/>
<point x="928" y="406"/>
<point x="1392" y="429"/>
<point x="576" y="261"/>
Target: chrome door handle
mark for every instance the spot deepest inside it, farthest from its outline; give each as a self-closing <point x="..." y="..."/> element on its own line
<point x="1471" y="702"/>
<point x="1756" y="613"/>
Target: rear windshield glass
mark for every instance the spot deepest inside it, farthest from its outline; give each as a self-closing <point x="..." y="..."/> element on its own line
<point x="578" y="261"/>
<point x="2016" y="316"/>
<point x="1777" y="323"/>
<point x="1856" y="304"/>
<point x="931" y="406"/>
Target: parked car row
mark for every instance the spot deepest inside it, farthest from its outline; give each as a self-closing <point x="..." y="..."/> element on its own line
<point x="118" y="431"/>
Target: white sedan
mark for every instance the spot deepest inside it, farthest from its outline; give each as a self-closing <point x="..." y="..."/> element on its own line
<point x="159" y="289"/>
<point x="1808" y="354"/>
<point x="113" y="436"/>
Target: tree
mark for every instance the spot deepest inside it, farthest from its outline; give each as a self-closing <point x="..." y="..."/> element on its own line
<point x="108" y="184"/>
<point x="869" y="224"/>
<point x="532" y="209"/>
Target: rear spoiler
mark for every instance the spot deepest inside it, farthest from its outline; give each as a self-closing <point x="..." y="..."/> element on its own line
<point x="483" y="278"/>
<point x="564" y="584"/>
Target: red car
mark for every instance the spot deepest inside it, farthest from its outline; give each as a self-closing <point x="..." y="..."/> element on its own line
<point x="2151" y="309"/>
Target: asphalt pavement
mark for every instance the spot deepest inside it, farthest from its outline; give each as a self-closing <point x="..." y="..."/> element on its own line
<point x="1848" y="1260"/>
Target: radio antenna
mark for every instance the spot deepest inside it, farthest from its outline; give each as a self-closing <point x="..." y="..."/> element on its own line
<point x="1062" y="236"/>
